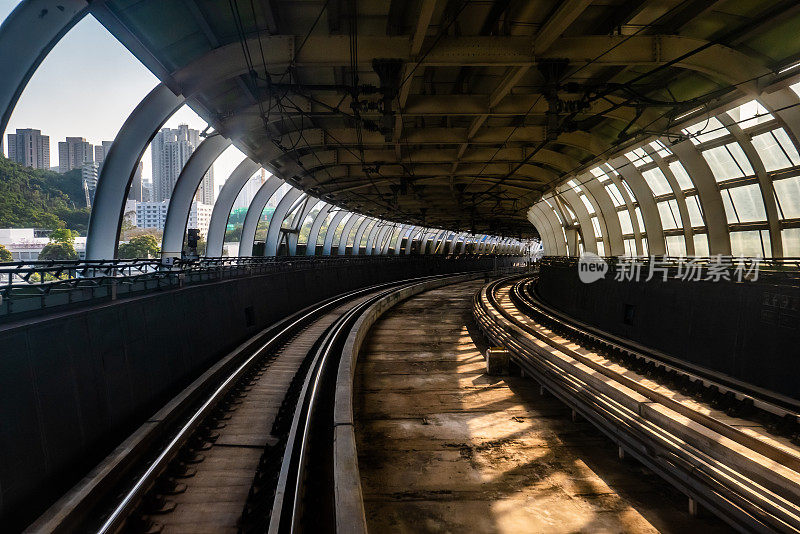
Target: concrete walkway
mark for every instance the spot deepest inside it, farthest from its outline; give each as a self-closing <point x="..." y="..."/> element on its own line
<point x="445" y="448"/>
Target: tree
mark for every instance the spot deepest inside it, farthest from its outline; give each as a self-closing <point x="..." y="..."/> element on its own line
<point x="143" y="246"/>
<point x="58" y="251"/>
<point x="5" y="254"/>
<point x="234" y="234"/>
<point x="42" y="199"/>
<point x="63" y="235"/>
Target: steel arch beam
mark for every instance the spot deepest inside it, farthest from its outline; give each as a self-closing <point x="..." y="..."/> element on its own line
<point x="224" y="204"/>
<point x="764" y="183"/>
<point x="293" y="239"/>
<point x="463" y="244"/>
<point x="607" y="214"/>
<point x="656" y="243"/>
<point x="414" y="237"/>
<point x="360" y="229"/>
<point x="180" y="202"/>
<point x="404" y="234"/>
<point x="719" y="241"/>
<point x="535" y="217"/>
<point x="313" y="234"/>
<point x="680" y="198"/>
<point x="27" y="35"/>
<point x="543" y="226"/>
<point x="119" y="166"/>
<point x="440" y="242"/>
<point x="386" y="240"/>
<point x="410" y="238"/>
<point x="382" y="238"/>
<point x="436" y="240"/>
<point x="348" y="227"/>
<point x="276" y="222"/>
<point x="254" y="211"/>
<point x="453" y="242"/>
<point x="376" y="228"/>
<point x="331" y="232"/>
<point x="423" y="240"/>
<point x="571" y="198"/>
<point x="715" y="60"/>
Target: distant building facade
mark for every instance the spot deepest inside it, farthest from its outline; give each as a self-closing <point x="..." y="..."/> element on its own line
<point x="25" y="244"/>
<point x="138" y="192"/>
<point x="30" y="148"/>
<point x="89" y="173"/>
<point x="73" y="153"/>
<point x="101" y="151"/>
<point x="154" y="215"/>
<point x="205" y="193"/>
<point x="170" y="150"/>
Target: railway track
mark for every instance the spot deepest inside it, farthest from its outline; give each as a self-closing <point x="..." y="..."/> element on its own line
<point x="729" y="447"/>
<point x="248" y="447"/>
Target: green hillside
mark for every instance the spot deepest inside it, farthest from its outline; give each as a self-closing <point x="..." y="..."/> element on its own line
<point x="41" y="199"/>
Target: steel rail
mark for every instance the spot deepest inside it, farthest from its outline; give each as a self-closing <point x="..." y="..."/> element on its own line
<point x="525" y="296"/>
<point x="145" y="481"/>
<point x="287" y="509"/>
<point x="730" y="481"/>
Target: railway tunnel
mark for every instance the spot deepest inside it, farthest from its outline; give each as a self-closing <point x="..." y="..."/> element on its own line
<point x="510" y="266"/>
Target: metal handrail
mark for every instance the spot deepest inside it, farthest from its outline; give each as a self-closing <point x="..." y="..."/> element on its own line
<point x="64" y="282"/>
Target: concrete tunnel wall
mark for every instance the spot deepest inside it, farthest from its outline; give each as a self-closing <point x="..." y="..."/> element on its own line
<point x="747" y="330"/>
<point x="75" y="384"/>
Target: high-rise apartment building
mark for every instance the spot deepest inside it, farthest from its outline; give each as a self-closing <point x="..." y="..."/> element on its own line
<point x="170" y="150"/>
<point x="89" y="181"/>
<point x="101" y="151"/>
<point x="73" y="153"/>
<point x="205" y="193"/>
<point x="138" y="191"/>
<point x="30" y="148"/>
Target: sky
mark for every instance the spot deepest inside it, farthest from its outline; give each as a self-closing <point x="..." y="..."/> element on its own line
<point x="87" y="86"/>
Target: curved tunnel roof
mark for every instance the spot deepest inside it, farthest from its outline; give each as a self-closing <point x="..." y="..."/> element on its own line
<point x="472" y="115"/>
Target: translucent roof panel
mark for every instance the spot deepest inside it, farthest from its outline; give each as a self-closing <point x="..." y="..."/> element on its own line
<point x="574" y="185"/>
<point x="660" y="148"/>
<point x="601" y="248"/>
<point x="705" y="131"/>
<point x="680" y="174"/>
<point x="796" y="88"/>
<point x="657" y="181"/>
<point x="744" y="204"/>
<point x="728" y="162"/>
<point x="695" y="211"/>
<point x="676" y="245"/>
<point x="776" y="150"/>
<point x="700" y="245"/>
<point x="630" y="247"/>
<point x="750" y="114"/>
<point x="638" y="157"/>
<point x="750" y="243"/>
<point x="596" y="225"/>
<point x="670" y="215"/>
<point x="639" y="219"/>
<point x="600" y="174"/>
<point x="787" y="192"/>
<point x="628" y="190"/>
<point x="557" y="216"/>
<point x="586" y="203"/>
<point x="625" y="222"/>
<point x="616" y="196"/>
<point x="791" y="242"/>
<point x="571" y="213"/>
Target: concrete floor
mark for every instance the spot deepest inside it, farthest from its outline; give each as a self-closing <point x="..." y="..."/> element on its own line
<point x="445" y="448"/>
